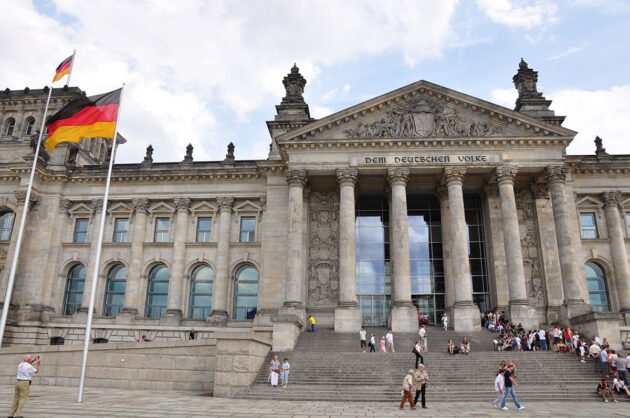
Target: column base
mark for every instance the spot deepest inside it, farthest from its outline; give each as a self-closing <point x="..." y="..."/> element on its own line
<point x="404" y="318"/>
<point x="217" y="319"/>
<point x="576" y="308"/>
<point x="521" y="313"/>
<point x="465" y="317"/>
<point x="287" y="326"/>
<point x="347" y="319"/>
<point x="171" y="317"/>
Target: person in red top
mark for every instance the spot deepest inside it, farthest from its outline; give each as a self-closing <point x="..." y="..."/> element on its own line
<point x="603" y="389"/>
<point x="568" y="335"/>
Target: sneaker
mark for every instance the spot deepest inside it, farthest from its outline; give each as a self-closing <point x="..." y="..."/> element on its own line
<point x="521" y="407"/>
<point x="605" y="400"/>
<point x="615" y="400"/>
<point x="582" y="361"/>
<point x="505" y="408"/>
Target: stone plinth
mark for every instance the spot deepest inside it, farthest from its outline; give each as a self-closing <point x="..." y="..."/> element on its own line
<point x="347" y="319"/>
<point x="602" y="325"/>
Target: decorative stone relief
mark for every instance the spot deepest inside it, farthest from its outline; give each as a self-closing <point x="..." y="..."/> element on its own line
<point x="525" y="207"/>
<point x="323" y="241"/>
<point x="422" y="118"/>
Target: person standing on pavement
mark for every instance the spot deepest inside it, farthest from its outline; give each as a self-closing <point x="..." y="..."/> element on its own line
<point x="422" y="382"/>
<point x="25" y="371"/>
<point x="390" y="341"/>
<point x="423" y="339"/>
<point x="509" y="387"/>
<point x="594" y="352"/>
<point x="499" y="387"/>
<point x="407" y="388"/>
<point x="362" y="336"/>
<point x="543" y="340"/>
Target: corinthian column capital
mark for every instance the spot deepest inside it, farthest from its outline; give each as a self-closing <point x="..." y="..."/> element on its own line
<point x="183" y="203"/>
<point x="454" y="175"/>
<point x="347" y="176"/>
<point x="141" y="205"/>
<point x="611" y="198"/>
<point x="556" y="173"/>
<point x="397" y="176"/>
<point x="225" y="202"/>
<point x="297" y="177"/>
<point x="506" y="173"/>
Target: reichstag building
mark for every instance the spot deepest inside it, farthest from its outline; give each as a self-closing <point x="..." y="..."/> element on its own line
<point x="423" y="198"/>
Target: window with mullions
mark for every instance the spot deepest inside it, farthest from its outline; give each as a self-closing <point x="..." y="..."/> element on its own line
<point x="248" y="229"/>
<point x="201" y="292"/>
<point x="246" y="293"/>
<point x="588" y="224"/>
<point x="157" y="291"/>
<point x="477" y="251"/>
<point x="597" y="287"/>
<point x="10" y="127"/>
<point x="80" y="230"/>
<point x="161" y="229"/>
<point x="30" y="124"/>
<point x="121" y="227"/>
<point x="204" y="228"/>
<point x="115" y="290"/>
<point x="74" y="290"/>
<point x="6" y="225"/>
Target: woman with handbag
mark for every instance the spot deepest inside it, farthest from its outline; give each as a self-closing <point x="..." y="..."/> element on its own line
<point x="275" y="371"/>
<point x="416" y="350"/>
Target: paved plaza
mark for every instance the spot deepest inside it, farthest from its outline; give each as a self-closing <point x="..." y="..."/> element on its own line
<point x="46" y="401"/>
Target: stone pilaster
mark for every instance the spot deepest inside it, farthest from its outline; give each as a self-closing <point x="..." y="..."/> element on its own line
<point x="618" y="249"/>
<point x="573" y="281"/>
<point x="293" y="296"/>
<point x="220" y="292"/>
<point x="449" y="284"/>
<point x="347" y="314"/>
<point x="465" y="313"/>
<point x="519" y="309"/>
<point x="134" y="287"/>
<point x="404" y="315"/>
<point x="175" y="300"/>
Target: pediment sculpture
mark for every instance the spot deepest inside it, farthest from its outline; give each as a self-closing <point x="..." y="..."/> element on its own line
<point x="423" y="118"/>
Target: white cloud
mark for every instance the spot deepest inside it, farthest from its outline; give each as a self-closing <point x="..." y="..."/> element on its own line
<point x="189" y="64"/>
<point x="330" y="94"/>
<point x="346" y="88"/>
<point x="504" y="97"/>
<point x="570" y="51"/>
<point x="511" y="12"/>
<point x="319" y="112"/>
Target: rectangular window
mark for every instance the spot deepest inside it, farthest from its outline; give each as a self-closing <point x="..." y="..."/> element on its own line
<point x="80" y="230"/>
<point x="204" y="227"/>
<point x="248" y="228"/>
<point x="628" y="223"/>
<point x="589" y="227"/>
<point x="161" y="229"/>
<point x="120" y="229"/>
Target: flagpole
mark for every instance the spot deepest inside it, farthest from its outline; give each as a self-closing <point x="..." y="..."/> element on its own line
<point x="71" y="67"/>
<point x="18" y="242"/>
<point x="88" y="328"/>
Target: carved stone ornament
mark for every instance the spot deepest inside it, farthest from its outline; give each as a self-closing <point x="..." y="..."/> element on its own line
<point x="347" y="176"/>
<point x="423" y="118"/>
<point x="141" y="205"/>
<point x="397" y="175"/>
<point x="506" y="173"/>
<point x="182" y="204"/>
<point x="298" y="177"/>
<point x="20" y="197"/>
<point x="599" y="147"/>
<point x="64" y="206"/>
<point x="96" y="205"/>
<point x="532" y="266"/>
<point x="323" y="261"/>
<point x="225" y="202"/>
<point x="611" y="198"/>
<point x="188" y="158"/>
<point x="294" y="86"/>
<point x="525" y="81"/>
<point x="454" y="175"/>
<point x="148" y="157"/>
<point x="556" y="173"/>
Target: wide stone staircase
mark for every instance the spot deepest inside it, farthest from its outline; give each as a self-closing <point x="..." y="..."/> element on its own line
<point x="330" y="367"/>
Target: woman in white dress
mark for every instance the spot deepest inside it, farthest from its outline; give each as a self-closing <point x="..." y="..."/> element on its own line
<point x="275" y="371"/>
<point x="445" y="321"/>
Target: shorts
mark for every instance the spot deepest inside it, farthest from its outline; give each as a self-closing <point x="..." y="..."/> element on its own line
<point x="363" y="343"/>
<point x="557" y="340"/>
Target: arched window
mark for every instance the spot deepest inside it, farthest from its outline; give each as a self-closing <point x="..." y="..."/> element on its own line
<point x="10" y="127"/>
<point x="29" y="126"/>
<point x="245" y="293"/>
<point x="201" y="283"/>
<point x="6" y="225"/>
<point x="74" y="290"/>
<point x="157" y="291"/>
<point x="115" y="291"/>
<point x="597" y="287"/>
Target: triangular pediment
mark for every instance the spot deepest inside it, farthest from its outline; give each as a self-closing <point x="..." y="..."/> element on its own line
<point x="161" y="207"/>
<point x="425" y="110"/>
<point x="80" y="209"/>
<point x="203" y="206"/>
<point x="119" y="207"/>
<point x="589" y="201"/>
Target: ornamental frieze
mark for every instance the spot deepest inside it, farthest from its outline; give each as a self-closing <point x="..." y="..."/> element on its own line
<point x="525" y="207"/>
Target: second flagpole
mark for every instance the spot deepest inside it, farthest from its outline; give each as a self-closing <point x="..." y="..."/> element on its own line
<point x="88" y="327"/>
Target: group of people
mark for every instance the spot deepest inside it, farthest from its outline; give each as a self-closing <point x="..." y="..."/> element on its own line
<point x="504" y="385"/>
<point x="386" y="342"/>
<point x="280" y="371"/>
<point x="611" y="364"/>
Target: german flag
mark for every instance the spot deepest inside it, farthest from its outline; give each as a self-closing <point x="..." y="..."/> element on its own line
<point x="87" y="117"/>
<point x="63" y="68"/>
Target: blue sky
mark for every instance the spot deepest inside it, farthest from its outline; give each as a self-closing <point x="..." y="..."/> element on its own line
<point x="211" y="72"/>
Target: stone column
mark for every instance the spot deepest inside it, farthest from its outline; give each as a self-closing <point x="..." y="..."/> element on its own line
<point x="176" y="284"/>
<point x="347" y="314"/>
<point x="296" y="179"/>
<point x="618" y="249"/>
<point x="135" y="282"/>
<point x="404" y="317"/>
<point x="220" y="292"/>
<point x="573" y="279"/>
<point x="449" y="285"/>
<point x="518" y="308"/>
<point x="465" y="312"/>
<point x="94" y="227"/>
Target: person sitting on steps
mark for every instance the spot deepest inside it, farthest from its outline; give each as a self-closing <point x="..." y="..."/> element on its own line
<point x="465" y="346"/>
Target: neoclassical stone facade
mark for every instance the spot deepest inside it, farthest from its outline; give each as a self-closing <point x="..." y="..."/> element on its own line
<point x="423" y="198"/>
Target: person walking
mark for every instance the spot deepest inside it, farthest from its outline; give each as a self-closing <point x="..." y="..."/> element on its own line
<point x="423" y="339"/>
<point x="416" y="350"/>
<point x="407" y="388"/>
<point x="275" y="371"/>
<point x="422" y="382"/>
<point x="373" y="344"/>
<point x="284" y="376"/>
<point x="383" y="350"/>
<point x="390" y="341"/>
<point x="499" y="387"/>
<point x="25" y="371"/>
<point x="445" y="321"/>
<point x="509" y="387"/>
<point x="362" y="337"/>
<point x="311" y="321"/>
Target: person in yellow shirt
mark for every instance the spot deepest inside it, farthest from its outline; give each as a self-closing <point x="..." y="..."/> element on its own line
<point x="311" y="321"/>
